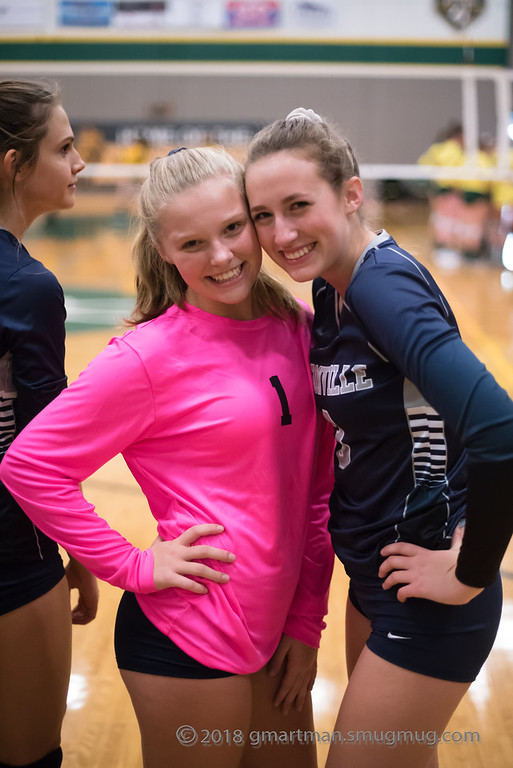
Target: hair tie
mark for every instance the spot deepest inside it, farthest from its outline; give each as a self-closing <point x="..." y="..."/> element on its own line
<point x="300" y="113"/>
<point x="174" y="151"/>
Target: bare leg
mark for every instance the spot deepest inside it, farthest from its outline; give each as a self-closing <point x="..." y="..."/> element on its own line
<point x="190" y="723"/>
<point x="358" y="629"/>
<point x="35" y="660"/>
<point x="276" y="740"/>
<point x="390" y="717"/>
<point x="223" y="723"/>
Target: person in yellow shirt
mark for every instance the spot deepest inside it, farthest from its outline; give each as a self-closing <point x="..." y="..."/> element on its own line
<point x="459" y="207"/>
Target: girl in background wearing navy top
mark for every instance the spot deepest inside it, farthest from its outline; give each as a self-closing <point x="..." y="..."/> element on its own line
<point x="39" y="166"/>
<point x="420" y="510"/>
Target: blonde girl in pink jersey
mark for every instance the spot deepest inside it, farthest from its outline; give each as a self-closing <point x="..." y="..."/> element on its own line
<point x="209" y="399"/>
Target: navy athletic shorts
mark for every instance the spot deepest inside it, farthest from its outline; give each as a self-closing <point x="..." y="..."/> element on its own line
<point x="449" y="642"/>
<point x="30" y="563"/>
<point x="141" y="647"/>
<point x="21" y="584"/>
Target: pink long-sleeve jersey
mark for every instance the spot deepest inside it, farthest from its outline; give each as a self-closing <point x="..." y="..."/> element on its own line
<point x="216" y="420"/>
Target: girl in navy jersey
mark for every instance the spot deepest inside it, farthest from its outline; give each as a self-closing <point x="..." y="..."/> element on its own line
<point x="39" y="166"/>
<point x="420" y="510"/>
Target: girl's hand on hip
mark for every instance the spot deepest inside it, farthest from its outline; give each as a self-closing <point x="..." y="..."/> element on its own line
<point x="426" y="573"/>
<point x="175" y="562"/>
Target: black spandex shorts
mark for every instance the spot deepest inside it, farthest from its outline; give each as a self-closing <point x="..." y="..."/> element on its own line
<point x="30" y="563"/>
<point x="22" y="583"/>
<point x="141" y="647"/>
<point x="449" y="642"/>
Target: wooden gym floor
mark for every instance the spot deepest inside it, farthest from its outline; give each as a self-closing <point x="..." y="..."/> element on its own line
<point x="89" y="250"/>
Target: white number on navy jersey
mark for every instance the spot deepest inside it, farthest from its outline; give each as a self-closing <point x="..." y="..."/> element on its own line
<point x="343" y="453"/>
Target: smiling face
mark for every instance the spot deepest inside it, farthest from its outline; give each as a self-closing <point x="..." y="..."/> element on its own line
<point x="51" y="184"/>
<point x="206" y="232"/>
<point x="304" y="225"/>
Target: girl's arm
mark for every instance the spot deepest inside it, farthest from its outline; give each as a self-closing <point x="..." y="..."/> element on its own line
<point x="32" y="319"/>
<point x="33" y="332"/>
<point x="423" y="342"/>
<point x="295" y="661"/>
<point x="108" y="408"/>
<point x="305" y="620"/>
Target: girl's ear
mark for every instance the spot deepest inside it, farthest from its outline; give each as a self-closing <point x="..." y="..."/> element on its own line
<point x="353" y="194"/>
<point x="10" y="163"/>
<point x="161" y="253"/>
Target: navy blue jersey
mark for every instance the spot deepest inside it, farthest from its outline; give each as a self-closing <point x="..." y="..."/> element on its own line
<point x="414" y="413"/>
<point x="32" y="341"/>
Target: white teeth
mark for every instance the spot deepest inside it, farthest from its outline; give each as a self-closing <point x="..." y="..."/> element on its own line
<point x="222" y="278"/>
<point x="297" y="254"/>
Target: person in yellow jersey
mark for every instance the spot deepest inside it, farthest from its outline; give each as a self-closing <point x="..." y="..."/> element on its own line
<point x="459" y="207"/>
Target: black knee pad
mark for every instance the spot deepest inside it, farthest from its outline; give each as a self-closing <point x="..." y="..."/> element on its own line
<point x="51" y="760"/>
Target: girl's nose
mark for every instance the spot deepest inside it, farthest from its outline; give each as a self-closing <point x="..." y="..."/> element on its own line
<point x="284" y="232"/>
<point x="78" y="163"/>
<point x="220" y="254"/>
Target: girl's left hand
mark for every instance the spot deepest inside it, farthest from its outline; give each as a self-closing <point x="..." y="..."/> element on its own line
<point x="80" y="578"/>
<point x="296" y="663"/>
<point x="426" y="573"/>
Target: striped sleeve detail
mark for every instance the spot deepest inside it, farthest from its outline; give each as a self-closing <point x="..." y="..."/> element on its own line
<point x="7" y="397"/>
<point x="429" y="454"/>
